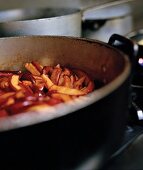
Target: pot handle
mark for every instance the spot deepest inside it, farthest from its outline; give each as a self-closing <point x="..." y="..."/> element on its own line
<point x="132" y="49"/>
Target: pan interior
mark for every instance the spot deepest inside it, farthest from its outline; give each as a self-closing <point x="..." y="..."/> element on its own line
<point x="99" y="60"/>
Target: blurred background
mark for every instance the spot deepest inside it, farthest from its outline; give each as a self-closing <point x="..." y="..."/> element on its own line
<point x="100" y="18"/>
<point x="136" y="5"/>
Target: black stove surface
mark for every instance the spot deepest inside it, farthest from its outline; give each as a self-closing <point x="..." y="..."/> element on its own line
<point x="129" y="156"/>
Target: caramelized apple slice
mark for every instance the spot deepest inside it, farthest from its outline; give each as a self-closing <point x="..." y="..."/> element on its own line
<point x="37" y="107"/>
<point x="39" y="83"/>
<point x="48" y="82"/>
<point x="63" y="97"/>
<point x="27" y="76"/>
<point x="56" y="75"/>
<point x="89" y="84"/>
<point x="67" y="82"/>
<point x="79" y="82"/>
<point x="19" y="94"/>
<point x="61" y="89"/>
<point x="32" y="69"/>
<point x="10" y="101"/>
<point x="65" y="72"/>
<point x="47" y="70"/>
<point x="14" y="82"/>
<point x="4" y="83"/>
<point x="38" y="66"/>
<point x="89" y="88"/>
<point x="6" y="100"/>
<point x="66" y="90"/>
<point x="6" y="95"/>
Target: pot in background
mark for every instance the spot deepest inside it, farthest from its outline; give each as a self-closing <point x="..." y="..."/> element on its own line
<point x="40" y="21"/>
<point x="100" y="24"/>
<point x="67" y="21"/>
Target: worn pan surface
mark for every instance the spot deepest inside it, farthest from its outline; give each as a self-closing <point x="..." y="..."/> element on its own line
<point x="68" y="134"/>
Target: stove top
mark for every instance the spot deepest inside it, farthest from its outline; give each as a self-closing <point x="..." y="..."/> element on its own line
<point x="129" y="156"/>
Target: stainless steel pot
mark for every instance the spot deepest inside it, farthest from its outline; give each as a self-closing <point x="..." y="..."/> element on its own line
<point x="58" y="21"/>
<point x="83" y="133"/>
<point x="100" y="24"/>
<point x="41" y="21"/>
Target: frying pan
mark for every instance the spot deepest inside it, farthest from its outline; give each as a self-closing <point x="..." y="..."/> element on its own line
<point x="82" y="134"/>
